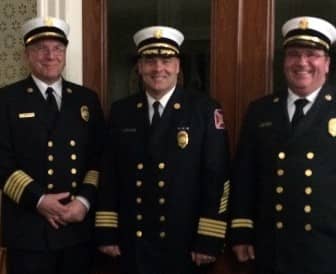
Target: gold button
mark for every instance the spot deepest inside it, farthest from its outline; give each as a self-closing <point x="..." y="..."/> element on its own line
<point x="50" y="171"/>
<point x="69" y="90"/>
<point x="162" y="218"/>
<point x="308" y="190"/>
<point x="140" y="166"/>
<point x="307" y="208"/>
<point x="72" y="143"/>
<point x="138" y="183"/>
<point x="139" y="217"/>
<point x="139" y="105"/>
<point x="282" y="155"/>
<point x="278" y="207"/>
<point x="50" y="143"/>
<point x="310" y="155"/>
<point x="162" y="165"/>
<point x="279" y="225"/>
<point x="280" y="172"/>
<point x="162" y="235"/>
<point x="138" y="200"/>
<point x="308" y="172"/>
<point x="73" y="157"/>
<point x="73" y="171"/>
<point x="139" y="233"/>
<point x="50" y="158"/>
<point x="74" y="184"/>
<point x="50" y="186"/>
<point x="308" y="227"/>
<point x="73" y="197"/>
<point x="279" y="189"/>
<point x="162" y="201"/>
<point x="161" y="184"/>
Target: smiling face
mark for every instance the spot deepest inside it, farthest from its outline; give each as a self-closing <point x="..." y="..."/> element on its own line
<point x="159" y="74"/>
<point x="305" y="69"/>
<point x="46" y="59"/>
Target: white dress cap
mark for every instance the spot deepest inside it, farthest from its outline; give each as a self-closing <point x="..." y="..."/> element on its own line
<point x="158" y="40"/>
<point x="310" y="31"/>
<point x="45" y="27"/>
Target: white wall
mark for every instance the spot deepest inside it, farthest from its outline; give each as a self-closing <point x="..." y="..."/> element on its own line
<point x="71" y="12"/>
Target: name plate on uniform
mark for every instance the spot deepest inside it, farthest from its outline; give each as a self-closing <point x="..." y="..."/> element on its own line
<point x="26" y="115"/>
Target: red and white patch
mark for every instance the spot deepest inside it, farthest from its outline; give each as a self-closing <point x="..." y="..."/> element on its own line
<point x="219" y="119"/>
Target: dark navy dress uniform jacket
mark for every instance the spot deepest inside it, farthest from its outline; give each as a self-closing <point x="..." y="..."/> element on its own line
<point x="169" y="189"/>
<point x="37" y="158"/>
<point x="284" y="185"/>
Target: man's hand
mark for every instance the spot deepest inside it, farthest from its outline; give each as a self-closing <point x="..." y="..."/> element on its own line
<point x="75" y="212"/>
<point x="200" y="258"/>
<point x="111" y="250"/>
<point x="244" y="252"/>
<point x="51" y="208"/>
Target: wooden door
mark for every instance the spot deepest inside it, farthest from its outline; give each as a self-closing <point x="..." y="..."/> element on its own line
<point x="240" y="70"/>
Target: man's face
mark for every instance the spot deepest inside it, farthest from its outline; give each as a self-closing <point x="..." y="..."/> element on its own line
<point x="305" y="69"/>
<point x="159" y="74"/>
<point x="46" y="59"/>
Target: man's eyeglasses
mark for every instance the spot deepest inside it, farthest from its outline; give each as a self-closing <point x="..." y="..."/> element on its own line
<point x="44" y="50"/>
<point x="310" y="55"/>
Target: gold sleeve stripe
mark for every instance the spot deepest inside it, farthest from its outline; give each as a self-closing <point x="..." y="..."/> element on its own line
<point x="106" y="219"/>
<point x="16" y="184"/>
<point x="91" y="177"/>
<point x="242" y="223"/>
<point x="209" y="227"/>
<point x="211" y="234"/>
<point x="225" y="197"/>
<point x="106" y="213"/>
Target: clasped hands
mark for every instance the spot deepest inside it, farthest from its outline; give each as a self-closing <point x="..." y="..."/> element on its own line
<point x="58" y="214"/>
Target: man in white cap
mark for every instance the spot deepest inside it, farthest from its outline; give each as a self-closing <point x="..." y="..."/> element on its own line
<point x="283" y="184"/>
<point x="50" y="147"/>
<point x="164" y="188"/>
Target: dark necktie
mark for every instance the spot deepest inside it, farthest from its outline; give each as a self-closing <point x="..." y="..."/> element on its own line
<point x="298" y="114"/>
<point x="52" y="105"/>
<point x="156" y="116"/>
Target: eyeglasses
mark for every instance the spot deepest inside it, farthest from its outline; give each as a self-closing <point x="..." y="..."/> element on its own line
<point x="310" y="55"/>
<point x="44" y="50"/>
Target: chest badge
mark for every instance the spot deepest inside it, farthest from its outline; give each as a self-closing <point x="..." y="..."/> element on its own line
<point x="182" y="139"/>
<point x="332" y="127"/>
<point x="85" y="114"/>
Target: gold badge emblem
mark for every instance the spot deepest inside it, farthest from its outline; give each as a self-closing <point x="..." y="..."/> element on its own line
<point x="158" y="34"/>
<point x="182" y="139"/>
<point x="30" y="90"/>
<point x="303" y="24"/>
<point x="85" y="113"/>
<point x="69" y="90"/>
<point x="332" y="127"/>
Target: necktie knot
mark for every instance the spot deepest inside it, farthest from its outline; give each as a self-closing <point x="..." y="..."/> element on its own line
<point x="301" y="103"/>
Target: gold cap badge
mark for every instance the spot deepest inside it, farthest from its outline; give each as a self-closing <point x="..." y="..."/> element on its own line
<point x="182" y="139"/>
<point x="303" y="24"/>
<point x="158" y="34"/>
<point x="49" y="22"/>
<point x="85" y="114"/>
